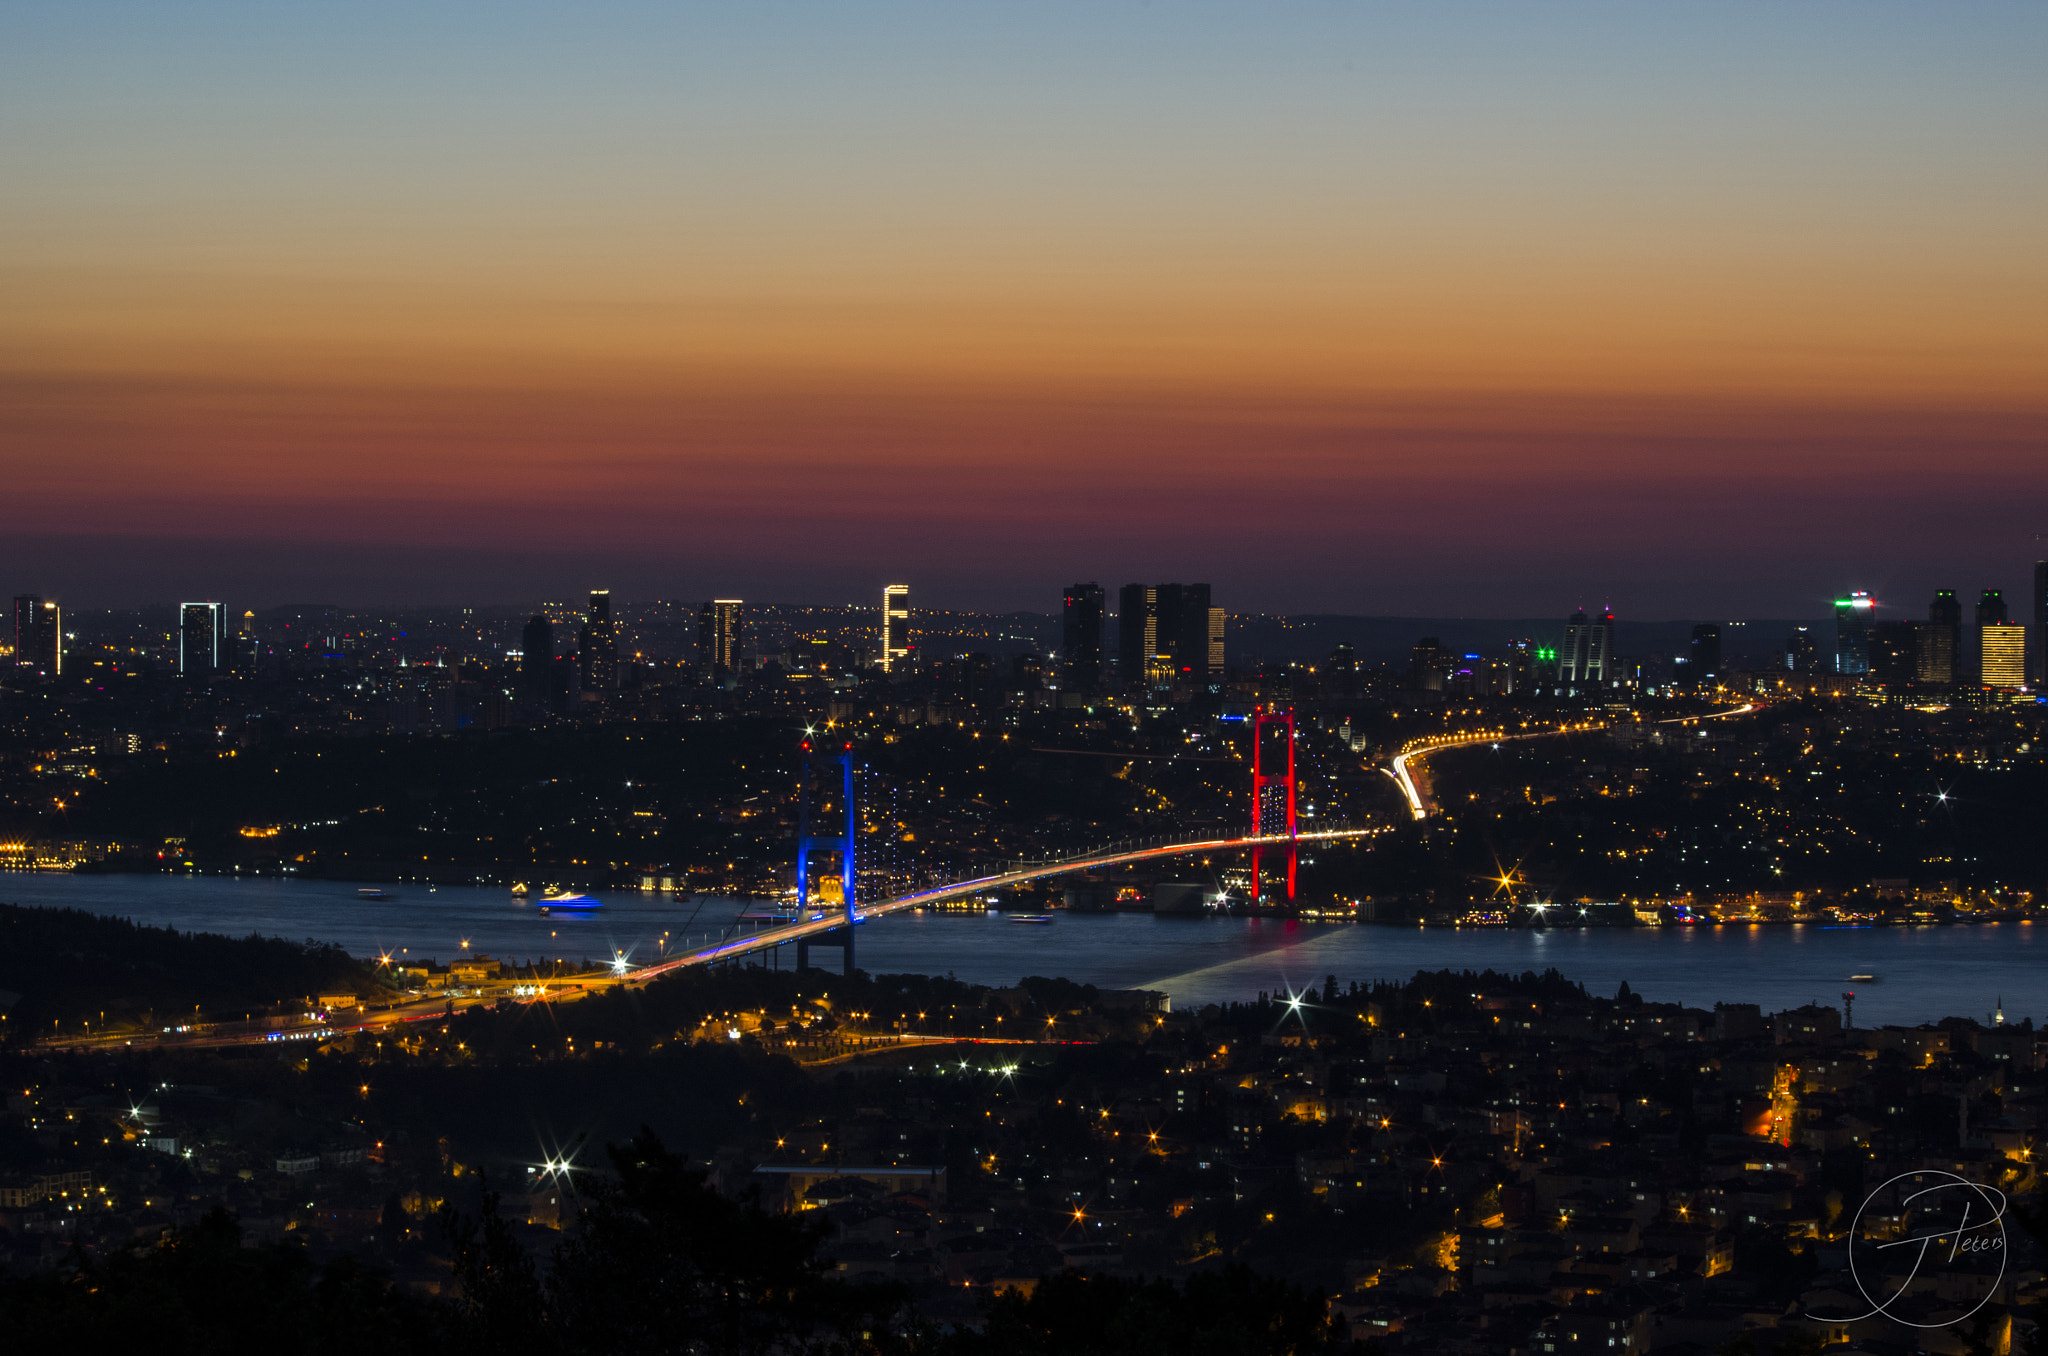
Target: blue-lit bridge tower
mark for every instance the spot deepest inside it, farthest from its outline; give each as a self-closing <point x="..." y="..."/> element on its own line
<point x="806" y="844"/>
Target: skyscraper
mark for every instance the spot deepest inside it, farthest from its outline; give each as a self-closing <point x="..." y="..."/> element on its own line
<point x="536" y="654"/>
<point x="1801" y="654"/>
<point x="1991" y="608"/>
<point x="1703" y="660"/>
<point x="1429" y="665"/>
<point x="1895" y="654"/>
<point x="1137" y="631"/>
<point x="2002" y="655"/>
<point x="28" y="612"/>
<point x="1586" y="659"/>
<point x="718" y="639"/>
<point x="1081" y="635"/>
<point x="895" y="626"/>
<point x="202" y="639"/>
<point x="1853" y="617"/>
<point x="1171" y="626"/>
<point x="2037" y="660"/>
<point x="597" y="646"/>
<point x="1941" y="639"/>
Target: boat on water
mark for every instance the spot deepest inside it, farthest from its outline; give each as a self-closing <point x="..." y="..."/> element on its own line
<point x="570" y="903"/>
<point x="1865" y="979"/>
<point x="373" y="892"/>
<point x="519" y="890"/>
<point x="1030" y="918"/>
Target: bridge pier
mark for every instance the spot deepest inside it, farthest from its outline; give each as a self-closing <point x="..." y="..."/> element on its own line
<point x="1261" y="779"/>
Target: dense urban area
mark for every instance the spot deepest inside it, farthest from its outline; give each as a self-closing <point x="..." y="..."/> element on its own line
<point x="475" y="1153"/>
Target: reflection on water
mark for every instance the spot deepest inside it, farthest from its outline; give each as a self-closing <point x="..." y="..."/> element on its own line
<point x="1926" y="973"/>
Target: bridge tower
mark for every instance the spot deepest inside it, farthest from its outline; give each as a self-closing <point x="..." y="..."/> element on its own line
<point x="1266" y="808"/>
<point x="807" y="843"/>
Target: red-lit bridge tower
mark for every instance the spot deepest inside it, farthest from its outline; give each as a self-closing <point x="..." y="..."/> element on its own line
<point x="1272" y="794"/>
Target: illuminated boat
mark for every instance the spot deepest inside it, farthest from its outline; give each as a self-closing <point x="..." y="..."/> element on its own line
<point x="519" y="890"/>
<point x="1030" y="918"/>
<point x="372" y="892"/>
<point x="1864" y="979"/>
<point x="568" y="903"/>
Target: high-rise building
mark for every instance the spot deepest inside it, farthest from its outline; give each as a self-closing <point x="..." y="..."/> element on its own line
<point x="38" y="635"/>
<point x="895" y="626"/>
<point x="1991" y="608"/>
<point x="597" y="647"/>
<point x="2002" y="655"/>
<point x="2037" y="658"/>
<point x="202" y="639"/>
<point x="1429" y="665"/>
<point x="1081" y="635"/>
<point x="536" y="656"/>
<point x="1170" y="628"/>
<point x="718" y="639"/>
<point x="1801" y="654"/>
<point x="1941" y="639"/>
<point x="1853" y="618"/>
<point x="1895" y="654"/>
<point x="1522" y="665"/>
<point x="1703" y="659"/>
<point x="26" y="608"/>
<point x="1586" y="659"/>
<point x="1137" y="631"/>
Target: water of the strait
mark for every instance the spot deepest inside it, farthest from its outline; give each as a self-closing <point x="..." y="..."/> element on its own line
<point x="1924" y="973"/>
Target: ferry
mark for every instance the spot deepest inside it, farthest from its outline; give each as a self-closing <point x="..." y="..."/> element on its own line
<point x="570" y="903"/>
<point x="1865" y="979"/>
<point x="1030" y="918"/>
<point x="373" y="892"/>
<point x="519" y="890"/>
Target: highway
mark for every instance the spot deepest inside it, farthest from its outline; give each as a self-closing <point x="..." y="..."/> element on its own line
<point x="1415" y="752"/>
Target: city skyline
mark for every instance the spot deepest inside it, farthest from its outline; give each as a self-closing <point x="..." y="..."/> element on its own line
<point x="1323" y="307"/>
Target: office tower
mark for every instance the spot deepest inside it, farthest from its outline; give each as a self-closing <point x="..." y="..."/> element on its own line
<point x="1991" y="608"/>
<point x="1941" y="639"/>
<point x="895" y="626"/>
<point x="38" y="635"/>
<point x="246" y="647"/>
<point x="1171" y="629"/>
<point x="26" y="608"/>
<point x="718" y="639"/>
<point x="2037" y="660"/>
<point x="1935" y="664"/>
<point x="202" y="636"/>
<point x="1137" y="631"/>
<point x="1703" y="659"/>
<point x="1587" y="657"/>
<point x="597" y="646"/>
<point x="1429" y="665"/>
<point x="1895" y="654"/>
<point x="1801" y="654"/>
<point x="1853" y="617"/>
<point x="536" y="655"/>
<point x="1521" y="665"/>
<point x="1081" y="635"/>
<point x="2002" y="655"/>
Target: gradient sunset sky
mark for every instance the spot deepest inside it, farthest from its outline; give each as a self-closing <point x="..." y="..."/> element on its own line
<point x="1480" y="309"/>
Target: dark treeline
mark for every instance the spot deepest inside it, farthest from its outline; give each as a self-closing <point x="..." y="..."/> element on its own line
<point x="69" y="965"/>
<point x="658" y="1262"/>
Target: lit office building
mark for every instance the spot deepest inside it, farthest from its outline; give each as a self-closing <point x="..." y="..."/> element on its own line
<point x="2002" y="654"/>
<point x="718" y="639"/>
<point x="1941" y="639"/>
<point x="202" y="639"/>
<point x="1853" y="618"/>
<point x="895" y="626"/>
<point x="38" y="635"/>
<point x="1169" y="635"/>
<point x="1586" y="659"/>
<point x="597" y="645"/>
<point x="1081" y="635"/>
<point x="1703" y="658"/>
